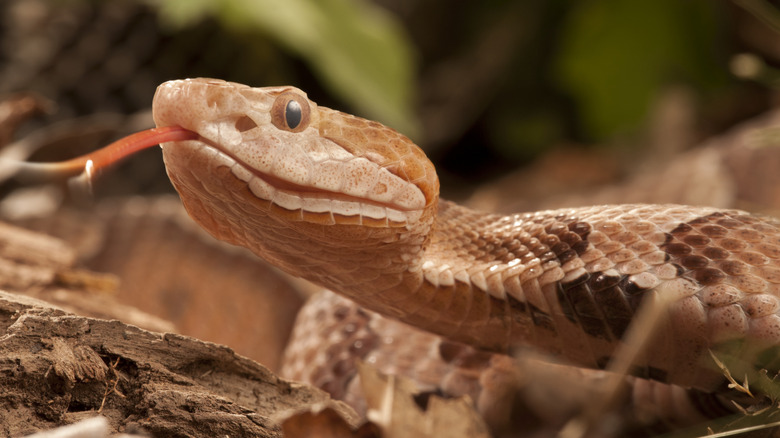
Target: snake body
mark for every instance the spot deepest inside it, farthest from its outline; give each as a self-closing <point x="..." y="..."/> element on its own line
<point x="353" y="206"/>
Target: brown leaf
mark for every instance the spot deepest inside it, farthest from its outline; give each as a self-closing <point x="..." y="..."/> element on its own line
<point x="326" y="423"/>
<point x="392" y="406"/>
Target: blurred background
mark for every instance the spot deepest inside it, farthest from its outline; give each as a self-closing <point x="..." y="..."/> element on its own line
<point x="520" y="104"/>
<point x="485" y="87"/>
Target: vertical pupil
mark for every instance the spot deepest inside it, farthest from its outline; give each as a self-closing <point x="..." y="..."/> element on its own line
<point x="292" y="114"/>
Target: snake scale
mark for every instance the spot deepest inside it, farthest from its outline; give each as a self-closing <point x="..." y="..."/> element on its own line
<point x="353" y="206"/>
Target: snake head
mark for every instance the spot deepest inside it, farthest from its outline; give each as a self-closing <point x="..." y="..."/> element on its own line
<point x="272" y="155"/>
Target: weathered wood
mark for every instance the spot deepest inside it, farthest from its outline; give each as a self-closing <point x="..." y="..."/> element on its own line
<point x="57" y="368"/>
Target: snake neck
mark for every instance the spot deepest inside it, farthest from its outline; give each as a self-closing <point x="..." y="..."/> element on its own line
<point x="444" y="273"/>
<point x="424" y="273"/>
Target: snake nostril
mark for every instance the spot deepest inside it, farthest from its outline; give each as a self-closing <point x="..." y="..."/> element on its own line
<point x="244" y="124"/>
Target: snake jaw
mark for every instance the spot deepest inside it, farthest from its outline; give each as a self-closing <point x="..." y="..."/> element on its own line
<point x="329" y="168"/>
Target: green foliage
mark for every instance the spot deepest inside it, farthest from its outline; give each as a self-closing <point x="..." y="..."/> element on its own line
<point x="356" y="49"/>
<point x="617" y="54"/>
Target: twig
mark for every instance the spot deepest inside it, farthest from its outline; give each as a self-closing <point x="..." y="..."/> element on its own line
<point x="635" y="340"/>
<point x="112" y="388"/>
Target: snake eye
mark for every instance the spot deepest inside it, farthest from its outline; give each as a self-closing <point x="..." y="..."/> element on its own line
<point x="290" y="112"/>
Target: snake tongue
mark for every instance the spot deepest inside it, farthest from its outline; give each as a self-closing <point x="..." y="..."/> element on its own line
<point x="107" y="155"/>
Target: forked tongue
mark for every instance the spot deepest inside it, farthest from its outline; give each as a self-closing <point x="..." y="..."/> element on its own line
<point x="89" y="163"/>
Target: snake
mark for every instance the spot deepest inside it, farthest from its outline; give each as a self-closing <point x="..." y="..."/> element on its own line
<point x="353" y="206"/>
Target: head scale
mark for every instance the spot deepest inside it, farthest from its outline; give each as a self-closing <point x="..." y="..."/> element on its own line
<point x="271" y="167"/>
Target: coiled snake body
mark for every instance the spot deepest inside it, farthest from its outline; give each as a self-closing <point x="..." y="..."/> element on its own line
<point x="353" y="206"/>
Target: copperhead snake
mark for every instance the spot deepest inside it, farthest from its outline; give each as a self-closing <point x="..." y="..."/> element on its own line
<point x="353" y="206"/>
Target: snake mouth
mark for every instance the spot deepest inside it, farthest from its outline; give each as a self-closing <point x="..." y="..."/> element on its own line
<point x="312" y="204"/>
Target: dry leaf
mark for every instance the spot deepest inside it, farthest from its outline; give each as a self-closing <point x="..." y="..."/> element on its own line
<point x="392" y="406"/>
<point x="326" y="423"/>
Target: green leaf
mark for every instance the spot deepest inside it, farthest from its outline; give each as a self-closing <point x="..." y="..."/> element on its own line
<point x="617" y="54"/>
<point x="184" y="13"/>
<point x="354" y="47"/>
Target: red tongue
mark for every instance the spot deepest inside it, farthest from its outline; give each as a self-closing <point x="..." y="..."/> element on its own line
<point x="127" y="146"/>
<point x="112" y="153"/>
